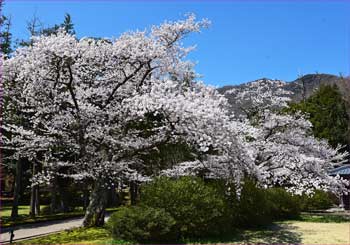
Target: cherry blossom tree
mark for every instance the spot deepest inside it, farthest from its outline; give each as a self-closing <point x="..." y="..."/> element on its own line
<point x="276" y="148"/>
<point x="284" y="151"/>
<point x="96" y="106"/>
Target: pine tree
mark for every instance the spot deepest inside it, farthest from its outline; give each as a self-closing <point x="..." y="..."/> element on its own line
<point x="328" y="115"/>
<point x="5" y="34"/>
<point x="35" y="28"/>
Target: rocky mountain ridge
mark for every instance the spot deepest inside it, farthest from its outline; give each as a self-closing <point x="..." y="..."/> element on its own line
<point x="303" y="87"/>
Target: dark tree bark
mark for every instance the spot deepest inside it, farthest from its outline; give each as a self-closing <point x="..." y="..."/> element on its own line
<point x="133" y="192"/>
<point x="34" y="197"/>
<point x="34" y="201"/>
<point x="85" y="198"/>
<point x="95" y="212"/>
<point x="37" y="199"/>
<point x="17" y="189"/>
<point x="54" y="204"/>
<point x="63" y="197"/>
<point x="113" y="197"/>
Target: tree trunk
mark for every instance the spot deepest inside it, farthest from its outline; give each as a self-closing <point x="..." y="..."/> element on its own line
<point x="133" y="192"/>
<point x="37" y="203"/>
<point x="85" y="198"/>
<point x="17" y="189"/>
<point x="95" y="212"/>
<point x="113" y="197"/>
<point x="34" y="202"/>
<point x="63" y="197"/>
<point x="34" y="197"/>
<point x="54" y="204"/>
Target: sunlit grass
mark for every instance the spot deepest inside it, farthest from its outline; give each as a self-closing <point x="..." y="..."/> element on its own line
<point x="5" y="211"/>
<point x="322" y="233"/>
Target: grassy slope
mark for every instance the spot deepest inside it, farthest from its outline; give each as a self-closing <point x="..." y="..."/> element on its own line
<point x="281" y="232"/>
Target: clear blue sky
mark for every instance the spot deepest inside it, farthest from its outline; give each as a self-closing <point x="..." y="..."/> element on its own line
<point x="246" y="41"/>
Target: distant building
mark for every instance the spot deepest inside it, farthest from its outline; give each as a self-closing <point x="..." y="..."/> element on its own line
<point x="344" y="172"/>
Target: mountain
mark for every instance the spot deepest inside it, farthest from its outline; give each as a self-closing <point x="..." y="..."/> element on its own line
<point x="303" y="87"/>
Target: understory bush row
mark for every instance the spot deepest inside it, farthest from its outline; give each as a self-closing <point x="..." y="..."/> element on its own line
<point x="189" y="207"/>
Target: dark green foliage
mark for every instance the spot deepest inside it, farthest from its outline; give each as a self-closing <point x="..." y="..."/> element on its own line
<point x="254" y="206"/>
<point x="328" y="115"/>
<point x="228" y="192"/>
<point x="199" y="209"/>
<point x="67" y="25"/>
<point x="195" y="209"/>
<point x="257" y="206"/>
<point x="319" y="201"/>
<point x="5" y="34"/>
<point x="284" y="204"/>
<point x="142" y="224"/>
<point x="166" y="156"/>
<point x="163" y="156"/>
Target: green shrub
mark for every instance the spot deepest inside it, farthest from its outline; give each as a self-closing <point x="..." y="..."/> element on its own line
<point x="199" y="209"/>
<point x="257" y="206"/>
<point x="319" y="201"/>
<point x="284" y="204"/>
<point x="254" y="207"/>
<point x="227" y="191"/>
<point x="142" y="224"/>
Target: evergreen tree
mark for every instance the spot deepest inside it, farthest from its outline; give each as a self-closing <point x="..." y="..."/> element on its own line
<point x="67" y="25"/>
<point x="328" y="115"/>
<point x="34" y="26"/>
<point x="5" y="34"/>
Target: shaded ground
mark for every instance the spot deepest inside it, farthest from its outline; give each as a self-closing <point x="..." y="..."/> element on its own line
<point x="292" y="232"/>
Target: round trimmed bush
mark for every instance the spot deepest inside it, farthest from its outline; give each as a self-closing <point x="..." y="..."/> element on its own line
<point x="142" y="224"/>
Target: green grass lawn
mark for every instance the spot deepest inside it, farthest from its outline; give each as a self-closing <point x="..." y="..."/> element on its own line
<point x="6" y="210"/>
<point x="325" y="218"/>
<point x="24" y="218"/>
<point x="304" y="231"/>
